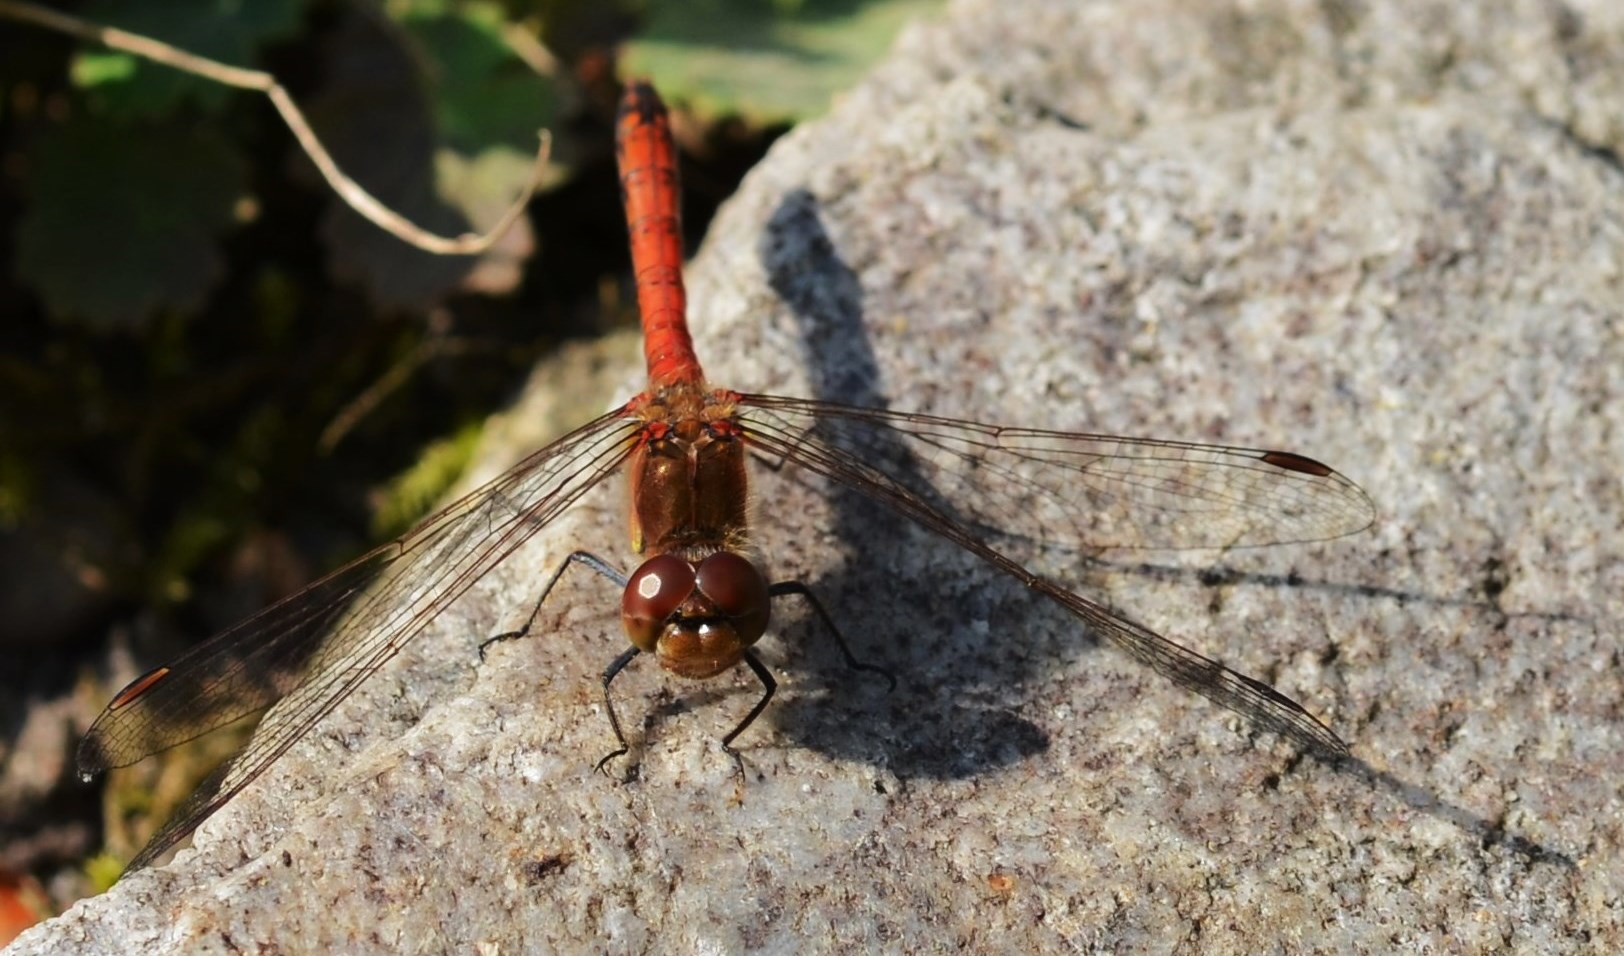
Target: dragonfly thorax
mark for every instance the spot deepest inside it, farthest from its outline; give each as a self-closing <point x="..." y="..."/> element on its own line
<point x="689" y="487"/>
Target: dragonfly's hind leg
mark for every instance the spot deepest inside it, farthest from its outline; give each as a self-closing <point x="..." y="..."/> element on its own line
<point x="796" y="587"/>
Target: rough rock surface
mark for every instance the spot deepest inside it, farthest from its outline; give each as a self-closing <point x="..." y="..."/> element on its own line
<point x="1389" y="234"/>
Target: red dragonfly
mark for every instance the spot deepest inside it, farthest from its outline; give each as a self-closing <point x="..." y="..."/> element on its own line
<point x="698" y="601"/>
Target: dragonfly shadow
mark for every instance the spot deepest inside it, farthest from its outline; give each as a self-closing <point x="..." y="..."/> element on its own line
<point x="1217" y="575"/>
<point x="1490" y="833"/>
<point x="954" y="712"/>
<point x="961" y="724"/>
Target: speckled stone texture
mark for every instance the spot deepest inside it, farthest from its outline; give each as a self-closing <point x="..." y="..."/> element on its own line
<point x="1388" y="234"/>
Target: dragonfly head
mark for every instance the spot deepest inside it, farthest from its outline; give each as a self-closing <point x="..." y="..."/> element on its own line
<point x="696" y="619"/>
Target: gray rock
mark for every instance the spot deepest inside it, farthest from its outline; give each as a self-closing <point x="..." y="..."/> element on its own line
<point x="1387" y="234"/>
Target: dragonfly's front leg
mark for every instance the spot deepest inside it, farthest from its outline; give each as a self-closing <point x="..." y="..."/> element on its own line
<point x="577" y="557"/>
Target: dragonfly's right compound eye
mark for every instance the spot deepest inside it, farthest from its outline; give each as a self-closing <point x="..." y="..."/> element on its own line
<point x="735" y="586"/>
<point x="656" y="589"/>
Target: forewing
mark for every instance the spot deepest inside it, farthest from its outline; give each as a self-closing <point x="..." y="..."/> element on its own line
<point x="313" y="648"/>
<point x="1073" y="490"/>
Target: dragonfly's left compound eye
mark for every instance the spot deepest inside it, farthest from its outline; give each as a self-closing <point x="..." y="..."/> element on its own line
<point x="654" y="592"/>
<point x="735" y="586"/>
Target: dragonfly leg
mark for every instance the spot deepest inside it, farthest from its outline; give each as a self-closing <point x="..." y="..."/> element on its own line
<point x="796" y="587"/>
<point x="770" y="685"/>
<point x="577" y="557"/>
<point x="610" y="673"/>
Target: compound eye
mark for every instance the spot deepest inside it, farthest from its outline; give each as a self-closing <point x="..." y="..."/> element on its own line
<point x="653" y="593"/>
<point x="735" y="586"/>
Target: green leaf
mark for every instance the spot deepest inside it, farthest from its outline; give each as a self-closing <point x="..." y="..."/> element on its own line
<point x="766" y="60"/>
<point x="124" y="220"/>
<point x="429" y="127"/>
<point x="98" y="67"/>
<point x="482" y="94"/>
<point x="227" y="31"/>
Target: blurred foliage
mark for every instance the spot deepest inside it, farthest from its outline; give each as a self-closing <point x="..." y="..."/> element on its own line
<point x="395" y="93"/>
<point x="416" y="490"/>
<point x="102" y="871"/>
<point x="193" y="306"/>
<point x="482" y="98"/>
<point x="765" y="60"/>
<point x="127" y="87"/>
<point x="167" y="190"/>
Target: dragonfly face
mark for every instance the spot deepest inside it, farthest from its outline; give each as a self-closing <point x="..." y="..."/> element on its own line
<point x="696" y="619"/>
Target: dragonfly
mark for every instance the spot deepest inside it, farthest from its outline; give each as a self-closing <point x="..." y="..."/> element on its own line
<point x="699" y="601"/>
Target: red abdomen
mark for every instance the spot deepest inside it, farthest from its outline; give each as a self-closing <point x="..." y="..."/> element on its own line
<point x="648" y="186"/>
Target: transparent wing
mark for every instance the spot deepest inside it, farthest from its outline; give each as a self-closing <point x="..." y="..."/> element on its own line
<point x="315" y="647"/>
<point x="975" y="484"/>
<point x="1072" y="490"/>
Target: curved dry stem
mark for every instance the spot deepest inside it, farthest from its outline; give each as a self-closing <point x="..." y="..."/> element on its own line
<point x="359" y="199"/>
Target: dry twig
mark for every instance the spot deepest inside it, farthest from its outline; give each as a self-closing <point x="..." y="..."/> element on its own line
<point x="359" y="199"/>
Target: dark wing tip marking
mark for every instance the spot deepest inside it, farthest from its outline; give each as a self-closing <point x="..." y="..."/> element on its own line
<point x="1292" y="461"/>
<point x="92" y="757"/>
